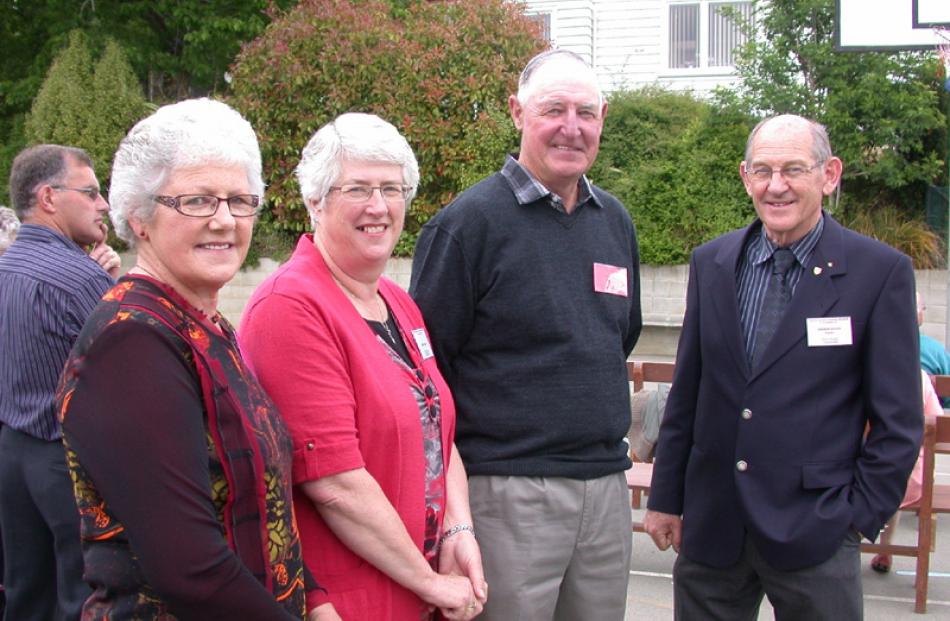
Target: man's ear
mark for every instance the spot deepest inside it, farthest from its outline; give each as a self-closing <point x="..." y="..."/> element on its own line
<point x="44" y="199"/>
<point x="833" y="169"/>
<point x="517" y="112"/>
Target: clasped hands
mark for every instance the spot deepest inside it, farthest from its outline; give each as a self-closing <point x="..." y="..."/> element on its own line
<point x="459" y="591"/>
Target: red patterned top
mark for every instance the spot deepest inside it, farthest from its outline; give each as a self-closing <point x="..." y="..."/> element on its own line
<point x="180" y="465"/>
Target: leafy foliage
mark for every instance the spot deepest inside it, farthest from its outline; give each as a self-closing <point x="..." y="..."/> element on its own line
<point x="673" y="161"/>
<point x="441" y="72"/>
<point x="882" y="110"/>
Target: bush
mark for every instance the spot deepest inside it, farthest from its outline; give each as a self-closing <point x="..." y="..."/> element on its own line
<point x="441" y="72"/>
<point x="910" y="235"/>
<point x="673" y="160"/>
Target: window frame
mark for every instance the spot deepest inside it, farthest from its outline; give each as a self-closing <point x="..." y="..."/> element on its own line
<point x="703" y="44"/>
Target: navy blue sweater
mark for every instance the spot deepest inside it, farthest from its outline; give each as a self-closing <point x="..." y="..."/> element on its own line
<point x="534" y="356"/>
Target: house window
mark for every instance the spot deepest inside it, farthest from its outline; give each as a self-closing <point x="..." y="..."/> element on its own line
<point x="544" y="21"/>
<point x="702" y="34"/>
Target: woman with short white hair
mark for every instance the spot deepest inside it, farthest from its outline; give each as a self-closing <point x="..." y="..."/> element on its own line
<point x="382" y="497"/>
<point x="9" y="225"/>
<point x="180" y="462"/>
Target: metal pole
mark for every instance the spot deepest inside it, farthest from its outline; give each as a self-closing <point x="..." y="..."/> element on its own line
<point x="946" y="329"/>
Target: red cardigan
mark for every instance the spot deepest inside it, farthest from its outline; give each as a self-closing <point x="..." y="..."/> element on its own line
<point x="348" y="406"/>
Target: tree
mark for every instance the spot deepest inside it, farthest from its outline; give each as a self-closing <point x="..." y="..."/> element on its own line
<point x="117" y="104"/>
<point x="61" y="107"/>
<point x="86" y="108"/>
<point x="176" y="48"/>
<point x="439" y="71"/>
<point x="881" y="109"/>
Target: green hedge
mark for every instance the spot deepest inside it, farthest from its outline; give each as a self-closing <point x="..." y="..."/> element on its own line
<point x="673" y="160"/>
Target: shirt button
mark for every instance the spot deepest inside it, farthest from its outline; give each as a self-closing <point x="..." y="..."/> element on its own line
<point x="741" y="465"/>
<point x="747" y="414"/>
<point x="311" y="446"/>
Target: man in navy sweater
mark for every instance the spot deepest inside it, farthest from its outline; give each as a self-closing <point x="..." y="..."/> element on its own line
<point x="529" y="283"/>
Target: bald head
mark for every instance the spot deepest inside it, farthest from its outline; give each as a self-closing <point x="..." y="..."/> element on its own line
<point x="790" y="125"/>
<point x="552" y="64"/>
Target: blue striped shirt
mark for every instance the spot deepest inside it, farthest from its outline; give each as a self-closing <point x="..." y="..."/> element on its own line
<point x="754" y="269"/>
<point x="48" y="287"/>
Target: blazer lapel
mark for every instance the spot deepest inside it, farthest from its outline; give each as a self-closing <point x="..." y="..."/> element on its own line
<point x="726" y="299"/>
<point x="814" y="295"/>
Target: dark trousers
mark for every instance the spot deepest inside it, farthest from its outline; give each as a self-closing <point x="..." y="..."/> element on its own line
<point x="830" y="591"/>
<point x="39" y="524"/>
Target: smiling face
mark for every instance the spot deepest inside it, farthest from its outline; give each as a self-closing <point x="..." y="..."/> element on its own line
<point x="358" y="237"/>
<point x="788" y="208"/>
<point x="196" y="256"/>
<point x="560" y="123"/>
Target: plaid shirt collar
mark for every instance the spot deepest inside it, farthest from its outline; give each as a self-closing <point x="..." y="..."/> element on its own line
<point x="527" y="189"/>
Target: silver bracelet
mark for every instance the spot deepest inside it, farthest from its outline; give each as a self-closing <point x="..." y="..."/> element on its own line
<point x="454" y="531"/>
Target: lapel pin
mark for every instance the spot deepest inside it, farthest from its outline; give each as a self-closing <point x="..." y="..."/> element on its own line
<point x="817" y="271"/>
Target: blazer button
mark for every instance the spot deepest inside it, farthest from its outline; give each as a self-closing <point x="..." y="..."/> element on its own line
<point x="746" y="414"/>
<point x="741" y="465"/>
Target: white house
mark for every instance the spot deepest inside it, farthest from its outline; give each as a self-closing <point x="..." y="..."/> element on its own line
<point x="679" y="44"/>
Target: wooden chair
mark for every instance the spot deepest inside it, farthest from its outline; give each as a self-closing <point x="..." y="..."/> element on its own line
<point x="639" y="475"/>
<point x="934" y="499"/>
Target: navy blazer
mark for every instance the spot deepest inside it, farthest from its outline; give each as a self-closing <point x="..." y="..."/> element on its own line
<point x="796" y="421"/>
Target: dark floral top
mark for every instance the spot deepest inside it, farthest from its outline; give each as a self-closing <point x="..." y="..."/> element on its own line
<point x="180" y="465"/>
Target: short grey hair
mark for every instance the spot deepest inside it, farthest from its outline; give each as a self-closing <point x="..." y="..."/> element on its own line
<point x="352" y="136"/>
<point x="820" y="145"/>
<point x="36" y="166"/>
<point x="186" y="134"/>
<point x="9" y="225"/>
<point x="526" y="87"/>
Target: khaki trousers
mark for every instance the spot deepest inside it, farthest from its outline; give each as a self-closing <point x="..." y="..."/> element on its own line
<point x="553" y="548"/>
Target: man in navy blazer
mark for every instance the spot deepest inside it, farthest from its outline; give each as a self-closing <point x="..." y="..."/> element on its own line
<point x="764" y="480"/>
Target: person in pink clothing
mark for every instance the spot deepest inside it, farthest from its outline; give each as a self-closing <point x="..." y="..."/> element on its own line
<point x="381" y="496"/>
<point x="882" y="562"/>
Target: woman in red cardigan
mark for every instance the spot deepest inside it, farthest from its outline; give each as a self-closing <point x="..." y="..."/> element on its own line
<point x="380" y="491"/>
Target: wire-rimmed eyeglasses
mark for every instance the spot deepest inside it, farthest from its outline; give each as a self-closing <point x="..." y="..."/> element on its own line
<point x="789" y="173"/>
<point x="356" y="192"/>
<point x="92" y="193"/>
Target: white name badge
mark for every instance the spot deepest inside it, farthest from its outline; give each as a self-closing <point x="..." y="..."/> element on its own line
<point x="828" y="331"/>
<point x="422" y="342"/>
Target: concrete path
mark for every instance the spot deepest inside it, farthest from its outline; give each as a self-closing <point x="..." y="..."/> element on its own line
<point x="887" y="597"/>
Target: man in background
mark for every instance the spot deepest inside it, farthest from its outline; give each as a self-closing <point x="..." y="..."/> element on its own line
<point x="48" y="286"/>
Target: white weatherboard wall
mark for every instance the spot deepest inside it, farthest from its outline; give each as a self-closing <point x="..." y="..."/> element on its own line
<point x="626" y="42"/>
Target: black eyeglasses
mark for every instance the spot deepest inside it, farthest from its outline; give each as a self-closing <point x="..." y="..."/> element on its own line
<point x="206" y="205"/>
<point x="92" y="193"/>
